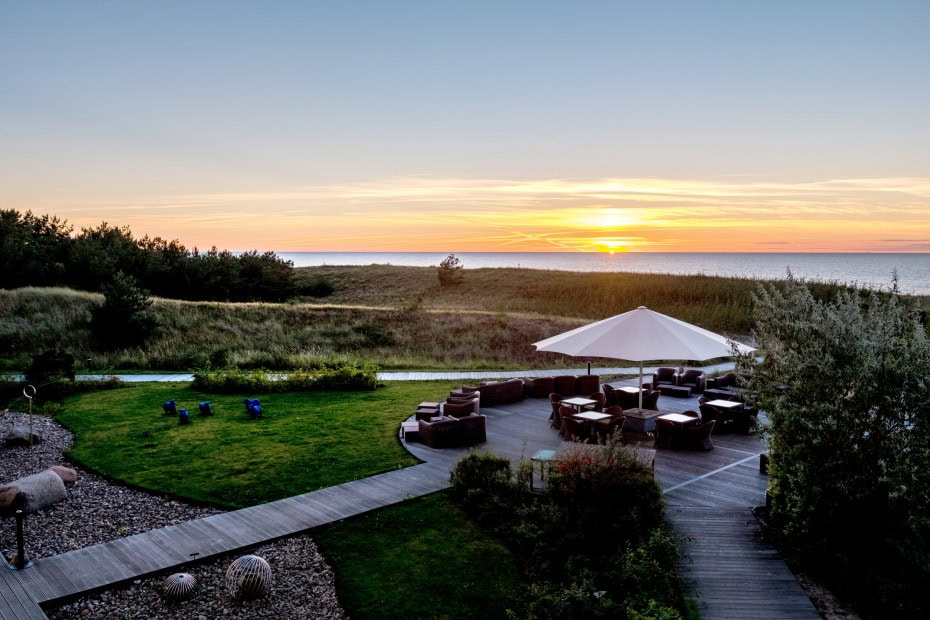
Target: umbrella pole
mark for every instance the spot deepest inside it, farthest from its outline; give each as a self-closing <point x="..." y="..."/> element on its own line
<point x="640" y="385"/>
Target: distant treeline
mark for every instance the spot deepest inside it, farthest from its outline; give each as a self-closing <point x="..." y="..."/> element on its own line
<point x="42" y="251"/>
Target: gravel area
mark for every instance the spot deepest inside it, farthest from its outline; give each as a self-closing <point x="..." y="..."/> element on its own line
<point x="98" y="510"/>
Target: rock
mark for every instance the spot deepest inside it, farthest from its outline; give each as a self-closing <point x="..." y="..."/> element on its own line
<point x="20" y="436"/>
<point x="34" y="492"/>
<point x="66" y="474"/>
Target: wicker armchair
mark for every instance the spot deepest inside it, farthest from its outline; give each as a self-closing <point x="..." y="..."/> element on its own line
<point x="599" y="400"/>
<point x="651" y="400"/>
<point x="605" y="429"/>
<point x="668" y="434"/>
<point x="440" y="433"/>
<point x="664" y="376"/>
<point x="573" y="430"/>
<point x="693" y="378"/>
<point x="555" y="418"/>
<point x="697" y="436"/>
<point x="611" y="396"/>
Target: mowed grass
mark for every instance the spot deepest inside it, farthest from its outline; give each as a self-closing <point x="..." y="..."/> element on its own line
<point x="306" y="441"/>
<point x="420" y="559"/>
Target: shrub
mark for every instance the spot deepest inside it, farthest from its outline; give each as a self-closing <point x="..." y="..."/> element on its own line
<point x="321" y="286"/>
<point x="844" y="383"/>
<point x="124" y="318"/>
<point x="50" y="366"/>
<point x="594" y="546"/>
<point x="450" y="271"/>
<point x="340" y="378"/>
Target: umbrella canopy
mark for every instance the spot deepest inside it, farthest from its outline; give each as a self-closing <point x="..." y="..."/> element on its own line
<point x="642" y="335"/>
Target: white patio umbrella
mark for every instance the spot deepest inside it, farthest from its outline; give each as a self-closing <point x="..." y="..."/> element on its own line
<point x="642" y="335"/>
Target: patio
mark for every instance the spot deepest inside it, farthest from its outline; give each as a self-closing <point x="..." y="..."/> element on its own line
<point x="709" y="496"/>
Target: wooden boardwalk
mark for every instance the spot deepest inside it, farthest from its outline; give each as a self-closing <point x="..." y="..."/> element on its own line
<point x="730" y="572"/>
<point x="57" y="578"/>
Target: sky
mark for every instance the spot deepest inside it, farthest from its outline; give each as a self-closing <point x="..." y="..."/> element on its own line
<point x="474" y="126"/>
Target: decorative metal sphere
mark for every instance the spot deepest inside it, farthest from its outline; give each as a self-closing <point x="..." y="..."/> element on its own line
<point x="248" y="577"/>
<point x="179" y="587"/>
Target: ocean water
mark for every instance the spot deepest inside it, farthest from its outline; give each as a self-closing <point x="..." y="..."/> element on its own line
<point x="867" y="270"/>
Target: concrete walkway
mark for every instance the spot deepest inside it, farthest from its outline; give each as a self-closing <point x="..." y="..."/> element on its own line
<point x="421" y="375"/>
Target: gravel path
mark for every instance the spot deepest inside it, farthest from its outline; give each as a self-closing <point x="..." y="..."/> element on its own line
<point x="98" y="511"/>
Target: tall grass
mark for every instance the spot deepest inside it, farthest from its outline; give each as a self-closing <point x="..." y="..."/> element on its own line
<point x="397" y="317"/>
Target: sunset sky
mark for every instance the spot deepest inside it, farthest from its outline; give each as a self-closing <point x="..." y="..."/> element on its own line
<point x="474" y="126"/>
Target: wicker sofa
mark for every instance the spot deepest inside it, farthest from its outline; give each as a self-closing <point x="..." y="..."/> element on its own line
<point x="450" y="432"/>
<point x="496" y="392"/>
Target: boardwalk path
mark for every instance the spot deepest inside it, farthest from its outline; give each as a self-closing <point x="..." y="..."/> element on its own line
<point x="730" y="572"/>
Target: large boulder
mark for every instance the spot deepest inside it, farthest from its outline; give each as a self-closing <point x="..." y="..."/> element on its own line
<point x="21" y="435"/>
<point x="33" y="492"/>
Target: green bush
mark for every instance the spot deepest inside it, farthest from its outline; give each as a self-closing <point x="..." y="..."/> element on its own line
<point x="844" y="384"/>
<point x="594" y="546"/>
<point x="11" y="392"/>
<point x="321" y="286"/>
<point x="50" y="366"/>
<point x="124" y="318"/>
<point x="450" y="271"/>
<point x="340" y="378"/>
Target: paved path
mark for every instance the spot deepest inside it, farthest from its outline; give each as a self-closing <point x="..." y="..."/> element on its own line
<point x="731" y="573"/>
<point x="418" y="375"/>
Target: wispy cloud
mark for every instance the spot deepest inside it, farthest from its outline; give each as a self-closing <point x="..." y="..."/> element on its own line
<point x="462" y="214"/>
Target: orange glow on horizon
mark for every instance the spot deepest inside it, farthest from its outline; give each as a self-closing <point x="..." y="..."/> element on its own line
<point x="457" y="215"/>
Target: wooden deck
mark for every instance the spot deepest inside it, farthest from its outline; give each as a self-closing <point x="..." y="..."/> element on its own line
<point x="708" y="494"/>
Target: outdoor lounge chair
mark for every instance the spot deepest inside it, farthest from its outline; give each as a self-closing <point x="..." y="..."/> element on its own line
<point x="668" y="434"/>
<point x="664" y="377"/>
<point x="605" y="429"/>
<point x="555" y="419"/>
<point x="651" y="400"/>
<point x="573" y="430"/>
<point x="598" y="399"/>
<point x="611" y="395"/>
<point x="693" y="378"/>
<point x="697" y="436"/>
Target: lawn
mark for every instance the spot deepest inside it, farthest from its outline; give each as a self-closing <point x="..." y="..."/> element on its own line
<point x="306" y="441"/>
<point x="422" y="558"/>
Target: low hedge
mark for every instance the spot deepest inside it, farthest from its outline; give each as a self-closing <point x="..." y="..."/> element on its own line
<point x="347" y="378"/>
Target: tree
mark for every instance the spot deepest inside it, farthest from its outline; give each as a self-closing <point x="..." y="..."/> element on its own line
<point x="33" y="249"/>
<point x="845" y="385"/>
<point x="450" y="271"/>
<point x="124" y="318"/>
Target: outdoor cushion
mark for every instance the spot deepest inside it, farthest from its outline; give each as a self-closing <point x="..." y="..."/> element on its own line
<point x="586" y="385"/>
<point x="565" y="385"/>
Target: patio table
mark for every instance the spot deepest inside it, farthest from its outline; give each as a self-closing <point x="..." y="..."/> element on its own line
<point x="678" y="418"/>
<point x="591" y="416"/>
<point x="724" y="404"/>
<point x="578" y="403"/>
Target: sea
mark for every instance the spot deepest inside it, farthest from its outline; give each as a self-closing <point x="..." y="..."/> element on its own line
<point x="874" y="271"/>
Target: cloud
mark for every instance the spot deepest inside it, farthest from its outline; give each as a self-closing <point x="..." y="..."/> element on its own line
<point x="460" y="214"/>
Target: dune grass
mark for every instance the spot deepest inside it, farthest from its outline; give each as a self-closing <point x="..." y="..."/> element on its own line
<point x="397" y="317"/>
<point x="306" y="441"/>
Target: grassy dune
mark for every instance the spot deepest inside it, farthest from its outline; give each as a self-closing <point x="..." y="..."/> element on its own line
<point x="397" y="317"/>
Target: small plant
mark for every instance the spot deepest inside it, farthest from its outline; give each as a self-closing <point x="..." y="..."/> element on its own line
<point x="450" y="271"/>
